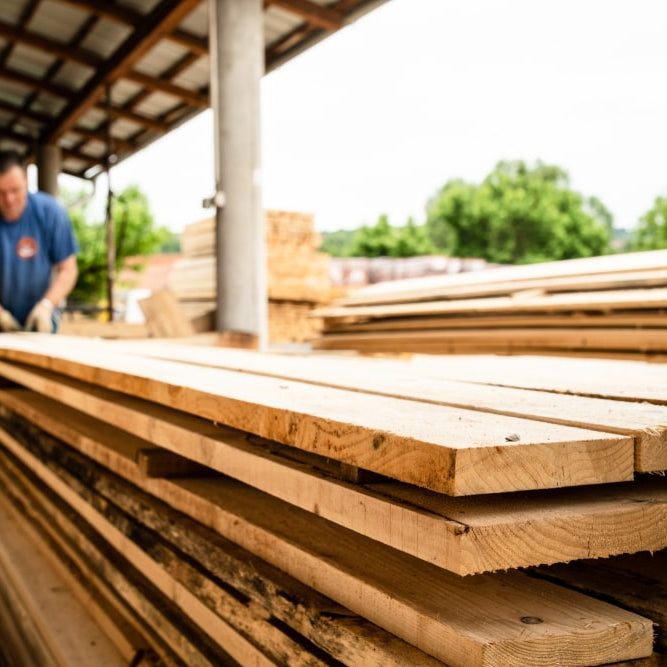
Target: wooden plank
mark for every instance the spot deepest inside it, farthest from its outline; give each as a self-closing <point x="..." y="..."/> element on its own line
<point x="634" y="381"/>
<point x="452" y="450"/>
<point x="408" y="597"/>
<point x="196" y="650"/>
<point x="335" y="629"/>
<point x="606" y="301"/>
<point x="97" y="329"/>
<point x="565" y="274"/>
<point x="637" y="582"/>
<point x="635" y="319"/>
<point x="251" y="637"/>
<point x="116" y="623"/>
<point x="62" y="632"/>
<point x="466" y="535"/>
<point x="647" y="423"/>
<point x="164" y="317"/>
<point x="511" y="339"/>
<point x="158" y="462"/>
<point x="50" y="515"/>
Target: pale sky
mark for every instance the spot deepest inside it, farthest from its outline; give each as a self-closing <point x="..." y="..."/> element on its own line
<point x="379" y="116"/>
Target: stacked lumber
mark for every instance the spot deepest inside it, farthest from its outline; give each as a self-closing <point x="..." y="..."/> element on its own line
<point x="297" y="274"/>
<point x="223" y="506"/>
<point x="611" y="306"/>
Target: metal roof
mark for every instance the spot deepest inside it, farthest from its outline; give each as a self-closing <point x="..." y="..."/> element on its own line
<point x="87" y="74"/>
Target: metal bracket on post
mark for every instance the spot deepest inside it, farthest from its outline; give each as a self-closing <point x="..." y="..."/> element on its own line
<point x="218" y="200"/>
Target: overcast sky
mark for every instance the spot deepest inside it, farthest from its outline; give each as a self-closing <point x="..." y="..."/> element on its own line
<point x="379" y="116"/>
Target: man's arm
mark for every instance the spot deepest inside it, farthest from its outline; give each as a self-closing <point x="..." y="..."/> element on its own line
<point x="65" y="274"/>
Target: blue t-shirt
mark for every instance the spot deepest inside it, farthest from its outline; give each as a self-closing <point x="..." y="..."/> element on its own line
<point x="29" y="248"/>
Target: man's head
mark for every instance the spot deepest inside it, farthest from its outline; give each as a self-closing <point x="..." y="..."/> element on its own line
<point x="13" y="186"/>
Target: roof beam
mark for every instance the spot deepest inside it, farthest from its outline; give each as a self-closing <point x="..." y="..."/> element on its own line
<point x="190" y="96"/>
<point x="127" y="16"/>
<point x="319" y="15"/>
<point x="64" y="51"/>
<point x="151" y="29"/>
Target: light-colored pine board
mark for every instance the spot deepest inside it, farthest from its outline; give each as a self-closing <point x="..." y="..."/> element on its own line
<point x="462" y="621"/>
<point x="561" y="275"/>
<point x="61" y="627"/>
<point x="637" y="582"/>
<point x="97" y="329"/>
<point x="525" y="302"/>
<point x="466" y="535"/>
<point x="637" y="381"/>
<point x="634" y="320"/>
<point x="446" y="449"/>
<point x="647" y="423"/>
<point x="164" y="316"/>
<point x="510" y="339"/>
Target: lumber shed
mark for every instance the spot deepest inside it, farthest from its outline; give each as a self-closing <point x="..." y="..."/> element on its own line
<point x="84" y="85"/>
<point x="449" y="498"/>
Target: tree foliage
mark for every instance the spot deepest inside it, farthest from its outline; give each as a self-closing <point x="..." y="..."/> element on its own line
<point x="518" y="214"/>
<point x="338" y="243"/>
<point x="383" y="240"/>
<point x="135" y="234"/>
<point x="651" y="231"/>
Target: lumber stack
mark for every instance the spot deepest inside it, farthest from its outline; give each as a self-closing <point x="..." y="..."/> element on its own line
<point x="611" y="306"/>
<point x="297" y="274"/>
<point x="223" y="506"/>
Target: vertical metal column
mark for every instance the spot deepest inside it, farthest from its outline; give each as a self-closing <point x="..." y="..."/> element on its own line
<point x="48" y="167"/>
<point x="237" y="65"/>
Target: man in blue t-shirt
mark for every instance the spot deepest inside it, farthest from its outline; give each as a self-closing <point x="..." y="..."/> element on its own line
<point x="37" y="252"/>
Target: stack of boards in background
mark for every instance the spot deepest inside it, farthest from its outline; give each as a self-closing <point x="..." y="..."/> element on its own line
<point x="612" y="306"/>
<point x="214" y="506"/>
<point x="297" y="275"/>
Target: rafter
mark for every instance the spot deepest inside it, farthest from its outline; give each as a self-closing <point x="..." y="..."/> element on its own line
<point x="153" y="27"/>
<point x="318" y="15"/>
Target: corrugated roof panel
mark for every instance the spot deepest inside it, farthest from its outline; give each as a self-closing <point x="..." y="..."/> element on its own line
<point x="124" y="90"/>
<point x="12" y="10"/>
<point x="161" y="58"/>
<point x="26" y="60"/>
<point x="195" y="77"/>
<point x="106" y="36"/>
<point x="197" y="22"/>
<point x="70" y="140"/>
<point x="92" y="119"/>
<point x="94" y="148"/>
<point x="27" y="126"/>
<point x="278" y="23"/>
<point x="57" y="21"/>
<point x="49" y="104"/>
<point x="124" y="129"/>
<point x="72" y="75"/>
<point x="13" y="93"/>
<point x="157" y="104"/>
<point x="141" y="6"/>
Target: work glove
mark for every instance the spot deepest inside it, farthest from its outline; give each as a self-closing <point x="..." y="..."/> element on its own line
<point x="39" y="318"/>
<point x="8" y="321"/>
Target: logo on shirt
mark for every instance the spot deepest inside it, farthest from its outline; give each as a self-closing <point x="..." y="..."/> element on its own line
<point x="26" y="248"/>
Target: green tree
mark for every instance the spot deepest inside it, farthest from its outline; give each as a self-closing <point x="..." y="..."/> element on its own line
<point x="378" y="240"/>
<point x="383" y="240"/>
<point x="651" y="232"/>
<point x="135" y="234"/>
<point x="518" y="214"/>
<point x="413" y="240"/>
<point x="338" y="243"/>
